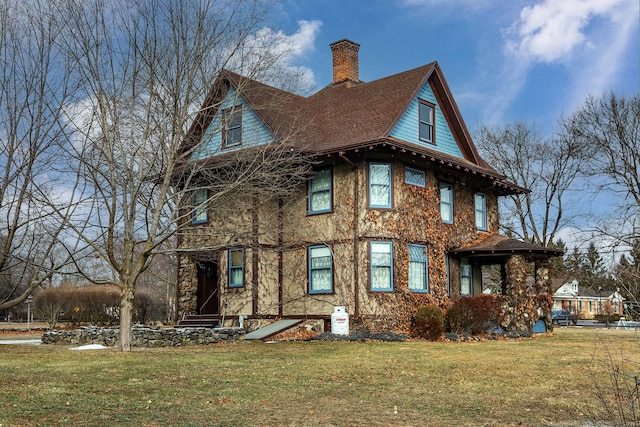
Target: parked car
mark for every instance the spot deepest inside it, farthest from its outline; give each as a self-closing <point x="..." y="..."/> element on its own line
<point x="563" y="317"/>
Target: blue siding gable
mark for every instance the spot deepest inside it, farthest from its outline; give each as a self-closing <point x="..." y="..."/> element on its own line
<point x="407" y="127"/>
<point x="254" y="131"/>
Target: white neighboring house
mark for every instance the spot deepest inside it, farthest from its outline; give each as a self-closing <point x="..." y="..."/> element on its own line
<point x="585" y="304"/>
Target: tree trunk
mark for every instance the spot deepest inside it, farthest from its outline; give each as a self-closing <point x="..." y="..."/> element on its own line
<point x="126" y="314"/>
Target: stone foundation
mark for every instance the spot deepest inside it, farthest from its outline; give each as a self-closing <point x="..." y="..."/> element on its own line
<point x="145" y="337"/>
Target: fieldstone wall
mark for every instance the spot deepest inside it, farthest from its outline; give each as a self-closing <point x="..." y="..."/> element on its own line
<point x="518" y="305"/>
<point x="145" y="337"/>
<point x="187" y="287"/>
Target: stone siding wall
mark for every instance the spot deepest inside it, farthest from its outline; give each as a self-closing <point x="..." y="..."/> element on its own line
<point x="145" y="337"/>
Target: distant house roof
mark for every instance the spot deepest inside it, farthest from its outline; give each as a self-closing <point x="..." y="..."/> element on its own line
<point x="500" y="246"/>
<point x="353" y="116"/>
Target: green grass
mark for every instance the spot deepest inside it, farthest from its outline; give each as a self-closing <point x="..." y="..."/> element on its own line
<point x="540" y="381"/>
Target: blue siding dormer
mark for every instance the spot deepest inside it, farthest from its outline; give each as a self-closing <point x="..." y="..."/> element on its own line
<point x="408" y="126"/>
<point x="254" y="131"/>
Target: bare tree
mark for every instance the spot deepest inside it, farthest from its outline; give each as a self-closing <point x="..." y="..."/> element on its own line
<point x="144" y="67"/>
<point x="34" y="86"/>
<point x="610" y="126"/>
<point x="548" y="168"/>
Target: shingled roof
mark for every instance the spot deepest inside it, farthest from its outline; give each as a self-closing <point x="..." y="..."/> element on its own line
<point x="353" y="115"/>
<point x="500" y="246"/>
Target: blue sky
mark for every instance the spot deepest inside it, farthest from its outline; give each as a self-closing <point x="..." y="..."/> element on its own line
<point x="504" y="60"/>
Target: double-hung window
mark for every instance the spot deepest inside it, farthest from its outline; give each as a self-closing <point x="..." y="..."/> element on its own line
<point x="480" y="202"/>
<point x="446" y="202"/>
<point x="232" y="128"/>
<point x="466" y="278"/>
<point x="418" y="269"/>
<point x="236" y="268"/>
<point x="415" y="177"/>
<point x="426" y="113"/>
<point x="379" y="185"/>
<point x="320" y="270"/>
<point x="381" y="259"/>
<point x="320" y="196"/>
<point x="199" y="206"/>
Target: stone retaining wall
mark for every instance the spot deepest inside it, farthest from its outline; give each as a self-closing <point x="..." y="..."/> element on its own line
<point x="145" y="337"/>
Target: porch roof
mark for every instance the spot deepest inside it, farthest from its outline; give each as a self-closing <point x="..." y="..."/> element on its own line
<point x="502" y="246"/>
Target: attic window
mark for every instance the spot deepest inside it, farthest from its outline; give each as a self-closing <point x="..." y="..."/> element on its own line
<point x="232" y="130"/>
<point x="426" y="119"/>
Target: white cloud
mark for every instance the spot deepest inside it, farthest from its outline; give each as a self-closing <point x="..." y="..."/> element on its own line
<point x="550" y="31"/>
<point x="608" y="52"/>
<point x="590" y="39"/>
<point x="277" y="55"/>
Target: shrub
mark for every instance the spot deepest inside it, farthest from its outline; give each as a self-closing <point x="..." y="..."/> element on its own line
<point x="51" y="303"/>
<point x="603" y="318"/>
<point x="475" y="314"/>
<point x="428" y="323"/>
<point x="98" y="305"/>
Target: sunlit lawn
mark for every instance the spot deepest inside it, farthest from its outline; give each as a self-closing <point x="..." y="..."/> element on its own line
<point x="539" y="381"/>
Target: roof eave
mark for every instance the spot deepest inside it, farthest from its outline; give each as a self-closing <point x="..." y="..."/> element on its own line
<point x="425" y="153"/>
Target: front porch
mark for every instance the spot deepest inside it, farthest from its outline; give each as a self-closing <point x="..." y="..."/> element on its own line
<point x="524" y="304"/>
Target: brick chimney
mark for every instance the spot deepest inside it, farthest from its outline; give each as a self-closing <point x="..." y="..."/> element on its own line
<point x="345" y="61"/>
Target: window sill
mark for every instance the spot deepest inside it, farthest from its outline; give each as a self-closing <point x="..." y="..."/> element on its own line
<point x="319" y="213"/>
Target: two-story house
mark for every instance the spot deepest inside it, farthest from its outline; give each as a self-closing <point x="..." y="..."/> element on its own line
<point x="400" y="210"/>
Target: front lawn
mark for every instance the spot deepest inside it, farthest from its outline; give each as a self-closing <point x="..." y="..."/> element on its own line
<point x="540" y="381"/>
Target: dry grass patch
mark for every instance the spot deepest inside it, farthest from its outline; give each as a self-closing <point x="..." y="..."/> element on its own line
<point x="540" y="381"/>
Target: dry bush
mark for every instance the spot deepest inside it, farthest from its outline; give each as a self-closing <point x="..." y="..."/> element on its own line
<point x="98" y="305"/>
<point x="50" y="304"/>
<point x="428" y="323"/>
<point x="474" y="314"/>
<point x="618" y="394"/>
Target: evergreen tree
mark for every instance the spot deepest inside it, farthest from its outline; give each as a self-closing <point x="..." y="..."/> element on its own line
<point x="593" y="270"/>
<point x="573" y="263"/>
<point x="557" y="263"/>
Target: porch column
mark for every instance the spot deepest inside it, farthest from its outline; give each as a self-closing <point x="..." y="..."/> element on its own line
<point x="544" y="292"/>
<point x="187" y="287"/>
<point x="519" y="308"/>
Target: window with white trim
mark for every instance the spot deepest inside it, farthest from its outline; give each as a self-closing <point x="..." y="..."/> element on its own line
<point x="415" y="177"/>
<point x="381" y="259"/>
<point x="379" y="185"/>
<point x="199" y="206"/>
<point x="236" y="268"/>
<point x="480" y="202"/>
<point x="320" y="269"/>
<point x="446" y="202"/>
<point x="320" y="189"/>
<point x="418" y="268"/>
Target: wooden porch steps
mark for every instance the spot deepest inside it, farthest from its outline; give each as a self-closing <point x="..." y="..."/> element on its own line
<point x="199" y="321"/>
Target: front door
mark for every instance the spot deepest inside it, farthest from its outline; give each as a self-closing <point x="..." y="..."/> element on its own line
<point x="208" y="295"/>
